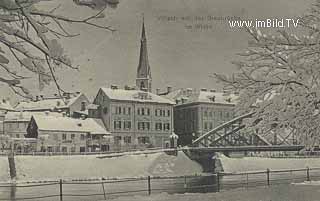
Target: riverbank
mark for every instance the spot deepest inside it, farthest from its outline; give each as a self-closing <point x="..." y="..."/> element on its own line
<point x="93" y="166"/>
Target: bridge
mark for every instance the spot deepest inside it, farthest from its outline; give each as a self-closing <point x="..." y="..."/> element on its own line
<point x="229" y="136"/>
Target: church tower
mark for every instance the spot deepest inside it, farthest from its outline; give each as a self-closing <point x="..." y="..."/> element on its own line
<point x="144" y="80"/>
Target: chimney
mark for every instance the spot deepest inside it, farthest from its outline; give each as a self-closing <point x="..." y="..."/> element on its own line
<point x="157" y="91"/>
<point x="113" y="86"/>
<point x="204" y="89"/>
<point x="4" y="100"/>
<point x="37" y="98"/>
<point x="55" y="95"/>
<point x="42" y="97"/>
<point x="83" y="117"/>
<point x="169" y="89"/>
<point x="213" y="90"/>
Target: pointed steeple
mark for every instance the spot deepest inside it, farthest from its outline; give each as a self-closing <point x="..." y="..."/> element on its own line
<point x="143" y="80"/>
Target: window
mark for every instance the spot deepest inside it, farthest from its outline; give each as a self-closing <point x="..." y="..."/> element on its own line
<point x="138" y="111"/>
<point x="73" y="149"/>
<point x="160" y="113"/>
<point x="205" y="113"/>
<point x="142" y="111"/>
<point x="72" y="136"/>
<point x="156" y="112"/>
<point x="148" y="111"/>
<point x="127" y="139"/>
<point x="82" y="149"/>
<point x="50" y="149"/>
<point x="210" y="114"/>
<point x="143" y="125"/>
<point x="82" y="137"/>
<point x="58" y="149"/>
<point x="166" y="126"/>
<point x="64" y="137"/>
<point x="124" y="110"/>
<point x="143" y="140"/>
<point x="117" y="125"/>
<point x="205" y="125"/>
<point x="127" y="125"/>
<point x="158" y="126"/>
<point x="168" y="113"/>
<point x="129" y="110"/>
<point x="17" y="136"/>
<point x="64" y="149"/>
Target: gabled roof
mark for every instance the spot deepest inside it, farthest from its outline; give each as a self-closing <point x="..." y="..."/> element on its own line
<point x="185" y="96"/>
<point x="5" y="105"/>
<point x="47" y="104"/>
<point x="26" y="116"/>
<point x="135" y="96"/>
<point x="53" y="123"/>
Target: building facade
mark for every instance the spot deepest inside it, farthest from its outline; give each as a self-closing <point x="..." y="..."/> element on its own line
<point x="136" y="119"/>
<point x="199" y="111"/>
<point x="64" y="134"/>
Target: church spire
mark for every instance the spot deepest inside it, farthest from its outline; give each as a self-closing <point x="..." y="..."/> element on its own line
<point x="143" y="80"/>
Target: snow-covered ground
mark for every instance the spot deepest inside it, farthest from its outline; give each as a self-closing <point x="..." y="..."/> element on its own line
<point x="258" y="163"/>
<point x="83" y="167"/>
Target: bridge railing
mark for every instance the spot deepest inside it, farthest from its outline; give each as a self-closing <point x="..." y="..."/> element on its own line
<point x="108" y="188"/>
<point x="226" y="124"/>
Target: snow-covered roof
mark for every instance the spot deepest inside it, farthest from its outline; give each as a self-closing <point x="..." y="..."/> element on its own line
<point x="184" y="96"/>
<point x="26" y="116"/>
<point x="53" y="123"/>
<point x="46" y="104"/>
<point x="135" y="96"/>
<point x="5" y="105"/>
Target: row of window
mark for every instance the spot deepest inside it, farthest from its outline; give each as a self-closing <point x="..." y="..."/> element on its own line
<point x="118" y="125"/>
<point x="128" y="140"/>
<point x="140" y="111"/>
<point x="65" y="136"/>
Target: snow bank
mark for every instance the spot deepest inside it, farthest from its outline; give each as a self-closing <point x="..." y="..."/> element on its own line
<point x="82" y="167"/>
<point x="259" y="163"/>
<point x="4" y="168"/>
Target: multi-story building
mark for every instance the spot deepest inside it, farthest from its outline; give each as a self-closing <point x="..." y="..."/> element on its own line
<point x="74" y="105"/>
<point x="135" y="118"/>
<point x="65" y="134"/>
<point x="199" y="111"/>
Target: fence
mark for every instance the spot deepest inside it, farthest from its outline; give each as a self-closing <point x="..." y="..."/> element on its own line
<point x="106" y="189"/>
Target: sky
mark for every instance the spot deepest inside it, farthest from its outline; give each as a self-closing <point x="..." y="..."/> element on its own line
<point x="178" y="56"/>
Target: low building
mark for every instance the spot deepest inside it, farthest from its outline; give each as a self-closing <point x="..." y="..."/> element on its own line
<point x="136" y="119"/>
<point x="15" y="123"/>
<point x="75" y="105"/>
<point x="65" y="134"/>
<point x="199" y="111"/>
